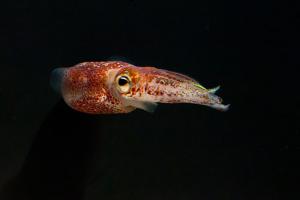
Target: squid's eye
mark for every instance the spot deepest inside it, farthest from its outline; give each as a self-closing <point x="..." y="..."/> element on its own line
<point x="124" y="83"/>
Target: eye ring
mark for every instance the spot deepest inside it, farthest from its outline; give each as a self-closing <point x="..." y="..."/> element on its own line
<point x="123" y="83"/>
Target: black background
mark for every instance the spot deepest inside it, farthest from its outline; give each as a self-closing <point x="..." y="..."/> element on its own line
<point x="251" y="49"/>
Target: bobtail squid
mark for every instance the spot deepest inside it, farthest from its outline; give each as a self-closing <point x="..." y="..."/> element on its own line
<point x="119" y="87"/>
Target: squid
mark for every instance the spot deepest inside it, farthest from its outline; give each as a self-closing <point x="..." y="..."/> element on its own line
<point x="113" y="87"/>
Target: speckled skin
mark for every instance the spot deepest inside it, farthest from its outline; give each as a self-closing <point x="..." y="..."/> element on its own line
<point x="90" y="87"/>
<point x="85" y="88"/>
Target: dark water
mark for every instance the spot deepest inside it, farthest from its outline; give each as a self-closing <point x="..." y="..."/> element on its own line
<point x="49" y="151"/>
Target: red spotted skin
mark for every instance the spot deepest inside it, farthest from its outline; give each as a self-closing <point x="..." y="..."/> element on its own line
<point x="84" y="88"/>
<point x="91" y="87"/>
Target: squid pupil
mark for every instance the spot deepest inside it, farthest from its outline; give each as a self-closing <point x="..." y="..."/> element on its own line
<point x="123" y="81"/>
